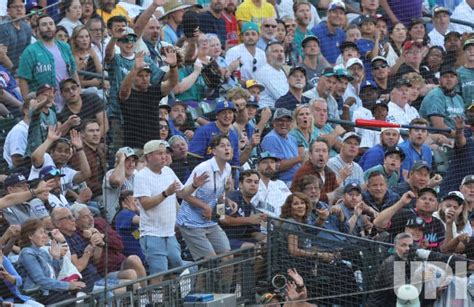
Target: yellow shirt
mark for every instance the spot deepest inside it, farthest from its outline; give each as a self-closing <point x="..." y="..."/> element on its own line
<point x="248" y="11"/>
<point x="117" y="11"/>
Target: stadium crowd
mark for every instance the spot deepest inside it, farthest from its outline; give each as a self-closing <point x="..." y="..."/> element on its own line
<point x="173" y="130"/>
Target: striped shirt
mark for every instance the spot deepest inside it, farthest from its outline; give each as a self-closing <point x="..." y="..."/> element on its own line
<point x="336" y="164"/>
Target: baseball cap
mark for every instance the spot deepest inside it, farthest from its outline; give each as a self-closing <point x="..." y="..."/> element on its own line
<point x="336" y="5"/>
<point x="454" y="195"/>
<point x="395" y="150"/>
<point x="128" y="36"/>
<point x="343" y="73"/>
<point x="252" y="102"/>
<point x="416" y="222"/>
<point x="380" y="103"/>
<point x="402" y="82"/>
<point x="455" y="33"/>
<point x="388" y="128"/>
<point x="251" y="83"/>
<point x="44" y="87"/>
<point x="378" y="58"/>
<point x="419" y="164"/>
<point x="440" y="9"/>
<point x="127" y="151"/>
<point x="348" y="44"/>
<point x="353" y="61"/>
<point x="297" y="68"/>
<point x="13" y="179"/>
<point x="350" y="135"/>
<point x="309" y="38"/>
<point x="427" y="190"/>
<point x="145" y="67"/>
<point x="176" y="138"/>
<point x="366" y="18"/>
<point x="225" y="105"/>
<point x="155" y="145"/>
<point x="247" y="26"/>
<point x="177" y="102"/>
<point x="328" y="72"/>
<point x="32" y="6"/>
<point x="49" y="172"/>
<point x="369" y="83"/>
<point x="268" y="155"/>
<point x="468" y="43"/>
<point x="447" y="69"/>
<point x="164" y="106"/>
<point x="282" y="112"/>
<point x="410" y="44"/>
<point x="351" y="187"/>
<point x="467" y="179"/>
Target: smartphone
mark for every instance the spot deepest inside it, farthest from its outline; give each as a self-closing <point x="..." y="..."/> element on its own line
<point x="220" y="209"/>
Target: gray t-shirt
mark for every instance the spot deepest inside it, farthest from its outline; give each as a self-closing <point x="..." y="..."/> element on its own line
<point x="15" y="39"/>
<point x="112" y="195"/>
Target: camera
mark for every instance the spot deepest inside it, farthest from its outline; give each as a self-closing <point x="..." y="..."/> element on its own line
<point x="279" y="282"/>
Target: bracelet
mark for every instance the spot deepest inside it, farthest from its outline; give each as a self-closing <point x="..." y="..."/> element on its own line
<point x="164" y="194"/>
<point x="174" y="66"/>
<point x="194" y="187"/>
<point x="79" y="149"/>
<point x="33" y="194"/>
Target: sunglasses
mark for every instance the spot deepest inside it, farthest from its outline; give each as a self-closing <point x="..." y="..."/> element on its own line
<point x="254" y="68"/>
<point x="379" y="67"/>
<point x="270" y="26"/>
<point x="128" y="39"/>
<point x="54" y="173"/>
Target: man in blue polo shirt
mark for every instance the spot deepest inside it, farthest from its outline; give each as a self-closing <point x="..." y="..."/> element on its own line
<point x="414" y="147"/>
<point x="330" y="33"/>
<point x="284" y="146"/>
<point x="200" y="144"/>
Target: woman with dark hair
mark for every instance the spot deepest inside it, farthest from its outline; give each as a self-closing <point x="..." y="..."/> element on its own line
<point x="396" y="38"/>
<point x="434" y="60"/>
<point x="73" y="11"/>
<point x="42" y="268"/>
<point x="88" y="10"/>
<point x="61" y="34"/>
<point x="281" y="31"/>
<point x="417" y="31"/>
<point x="164" y="129"/>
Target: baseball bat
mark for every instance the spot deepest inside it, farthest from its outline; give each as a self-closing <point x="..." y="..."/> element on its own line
<point x="378" y="124"/>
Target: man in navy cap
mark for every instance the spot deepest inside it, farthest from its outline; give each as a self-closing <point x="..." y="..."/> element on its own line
<point x="313" y="61"/>
<point x="200" y="144"/>
<point x="294" y="97"/>
<point x="283" y="145"/>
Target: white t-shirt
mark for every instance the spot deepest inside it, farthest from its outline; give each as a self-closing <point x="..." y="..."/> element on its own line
<point x="15" y="143"/>
<point x="402" y="116"/>
<point x="66" y="181"/>
<point x="271" y="198"/>
<point x="247" y="59"/>
<point x="69" y="25"/>
<point x="275" y="82"/>
<point x="158" y="221"/>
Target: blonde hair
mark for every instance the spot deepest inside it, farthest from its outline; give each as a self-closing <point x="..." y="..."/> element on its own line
<point x="297" y="111"/>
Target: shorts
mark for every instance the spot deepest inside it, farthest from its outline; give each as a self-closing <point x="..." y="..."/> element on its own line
<point x="205" y="241"/>
<point x="161" y="253"/>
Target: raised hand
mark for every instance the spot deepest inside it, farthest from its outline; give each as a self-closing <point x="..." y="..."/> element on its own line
<point x="199" y="181"/>
<point x="53" y="133"/>
<point x="198" y="66"/>
<point x="170" y="56"/>
<point x="139" y="60"/>
<point x="45" y="186"/>
<point x="407" y="197"/>
<point x="459" y="122"/>
<point x="76" y="139"/>
<point x="55" y="249"/>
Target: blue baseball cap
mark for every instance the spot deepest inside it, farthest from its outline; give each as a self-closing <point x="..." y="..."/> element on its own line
<point x="49" y="172"/>
<point x="368" y="83"/>
<point x="225" y="105"/>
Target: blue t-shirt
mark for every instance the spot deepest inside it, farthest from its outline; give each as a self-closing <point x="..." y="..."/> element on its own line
<point x="411" y="155"/>
<point x="372" y="157"/>
<point x="283" y="148"/>
<point x="200" y="143"/>
<point x="329" y="42"/>
<point x="365" y="46"/>
<point x="129" y="233"/>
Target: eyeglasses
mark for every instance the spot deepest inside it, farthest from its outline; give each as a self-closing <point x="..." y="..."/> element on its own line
<point x="254" y="68"/>
<point x="17" y="7"/>
<point x="379" y="67"/>
<point x="164" y="127"/>
<point x="67" y="217"/>
<point x="413" y="52"/>
<point x="270" y="26"/>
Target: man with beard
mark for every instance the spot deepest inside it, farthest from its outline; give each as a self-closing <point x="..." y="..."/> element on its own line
<point x="302" y="11"/>
<point x="442" y="104"/>
<point x="389" y="137"/>
<point x="243" y="226"/>
<point x="251" y="57"/>
<point x="95" y="153"/>
<point x="324" y="89"/>
<point x="119" y="179"/>
<point x="15" y="34"/>
<point x="442" y="26"/>
<point x="272" y="192"/>
<point x="228" y="15"/>
<point x="466" y="73"/>
<point x="330" y="32"/>
<point x="178" y="119"/>
<point x="267" y="33"/>
<point x="294" y="97"/>
<point x="272" y="76"/>
<point x="317" y="164"/>
<point x="48" y="61"/>
<point x="343" y="164"/>
<point x="200" y="145"/>
<point x="283" y="145"/>
<point x="110" y="8"/>
<point x="211" y="20"/>
<point x="313" y="63"/>
<point x="414" y="147"/>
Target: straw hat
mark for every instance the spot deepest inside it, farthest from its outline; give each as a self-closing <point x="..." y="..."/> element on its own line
<point x="173" y="6"/>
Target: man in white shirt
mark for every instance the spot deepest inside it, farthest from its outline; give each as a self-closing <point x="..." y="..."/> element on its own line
<point x="343" y="164"/>
<point x="271" y="193"/>
<point x="399" y="111"/>
<point x="251" y="57"/>
<point x="464" y="11"/>
<point x="272" y="76"/>
<point x="442" y="26"/>
<point x="158" y="199"/>
<point x="16" y="141"/>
